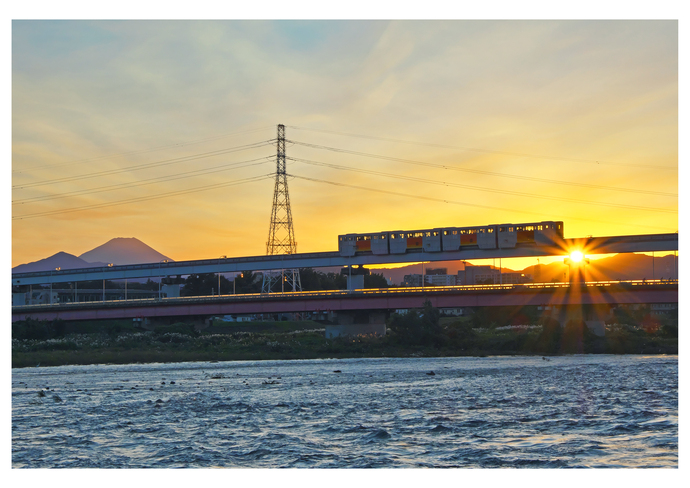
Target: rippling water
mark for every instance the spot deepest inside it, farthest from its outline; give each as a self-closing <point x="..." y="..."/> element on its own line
<point x="570" y="411"/>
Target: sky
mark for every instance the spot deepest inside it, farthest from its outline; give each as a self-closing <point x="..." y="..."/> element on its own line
<point x="163" y="130"/>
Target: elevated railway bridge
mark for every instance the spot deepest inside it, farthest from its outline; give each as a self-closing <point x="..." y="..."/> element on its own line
<point x="587" y="245"/>
<point x="597" y="296"/>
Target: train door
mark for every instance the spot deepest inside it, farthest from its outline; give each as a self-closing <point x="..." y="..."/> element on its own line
<point x="450" y="238"/>
<point x="486" y="237"/>
<point x="379" y="243"/>
<point x="397" y="242"/>
<point x="507" y="236"/>
<point x="346" y="245"/>
<point x="432" y="240"/>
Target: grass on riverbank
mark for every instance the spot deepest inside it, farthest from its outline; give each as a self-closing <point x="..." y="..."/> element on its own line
<point x="101" y="343"/>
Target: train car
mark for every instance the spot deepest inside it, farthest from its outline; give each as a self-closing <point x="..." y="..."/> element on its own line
<point x="548" y="233"/>
<point x="542" y="233"/>
<point x="351" y="244"/>
<point x="503" y="236"/>
<point x="455" y="238"/>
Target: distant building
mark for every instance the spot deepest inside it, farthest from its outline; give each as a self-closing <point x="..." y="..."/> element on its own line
<point x="437" y="271"/>
<point x="430" y="280"/>
<point x="453" y="312"/>
<point x="480" y="275"/>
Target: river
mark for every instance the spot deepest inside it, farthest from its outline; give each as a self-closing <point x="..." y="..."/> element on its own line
<point x="600" y="411"/>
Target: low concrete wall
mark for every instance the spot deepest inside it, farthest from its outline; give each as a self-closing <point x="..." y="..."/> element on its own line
<point x="354" y="330"/>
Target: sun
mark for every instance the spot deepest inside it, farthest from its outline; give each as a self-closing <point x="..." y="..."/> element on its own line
<point x="576" y="256"/>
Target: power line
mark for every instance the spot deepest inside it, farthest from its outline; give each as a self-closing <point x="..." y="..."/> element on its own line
<point x="488" y="151"/>
<point x="141" y="151"/>
<point x="147" y="198"/>
<point x="155" y="164"/>
<point x="482" y="172"/>
<point x="479" y="188"/>
<point x="150" y="181"/>
<point x="421" y="197"/>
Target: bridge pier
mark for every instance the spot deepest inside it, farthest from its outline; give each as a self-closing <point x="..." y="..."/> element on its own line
<point x="353" y="323"/>
<point x="593" y="315"/>
<point x="355" y="276"/>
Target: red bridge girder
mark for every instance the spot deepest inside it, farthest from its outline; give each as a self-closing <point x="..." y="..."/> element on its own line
<point x="391" y="299"/>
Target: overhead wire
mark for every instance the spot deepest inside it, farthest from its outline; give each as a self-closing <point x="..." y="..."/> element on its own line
<point x="150" y="181"/>
<point x="483" y="172"/>
<point x="487" y="151"/>
<point x="141" y="151"/>
<point x="155" y="164"/>
<point x="478" y="188"/>
<point x="145" y="198"/>
<point x="453" y="202"/>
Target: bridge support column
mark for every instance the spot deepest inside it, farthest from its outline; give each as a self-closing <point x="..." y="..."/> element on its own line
<point x="594" y="316"/>
<point x="355" y="277"/>
<point x="357" y="323"/>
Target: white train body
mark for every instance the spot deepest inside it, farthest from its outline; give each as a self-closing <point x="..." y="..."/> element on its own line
<point x="503" y="236"/>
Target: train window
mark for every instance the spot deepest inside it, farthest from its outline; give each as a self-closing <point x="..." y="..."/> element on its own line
<point x="455" y="232"/>
<point x="490" y="230"/>
<point x="445" y="232"/>
<point x="383" y="236"/>
<point x="540" y="227"/>
<point x="392" y="236"/>
<point x="435" y="233"/>
<point x="427" y="234"/>
<point x="501" y="229"/>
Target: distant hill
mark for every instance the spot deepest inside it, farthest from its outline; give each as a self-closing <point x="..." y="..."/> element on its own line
<point x="121" y="250"/>
<point x="124" y="250"/>
<point x="619" y="267"/>
<point x="60" y="260"/>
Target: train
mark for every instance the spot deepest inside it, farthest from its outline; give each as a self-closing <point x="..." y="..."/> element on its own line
<point x="502" y="236"/>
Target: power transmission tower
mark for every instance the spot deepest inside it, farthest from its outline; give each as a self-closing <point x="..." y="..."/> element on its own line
<point x="281" y="235"/>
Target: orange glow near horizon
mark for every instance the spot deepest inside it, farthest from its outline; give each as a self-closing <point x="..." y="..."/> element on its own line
<point x="181" y="152"/>
<point x="576" y="256"/>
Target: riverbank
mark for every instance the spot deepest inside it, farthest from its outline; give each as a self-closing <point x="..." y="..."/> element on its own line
<point x="118" y="342"/>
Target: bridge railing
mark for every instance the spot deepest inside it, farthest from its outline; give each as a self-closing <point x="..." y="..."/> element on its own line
<point x="344" y="293"/>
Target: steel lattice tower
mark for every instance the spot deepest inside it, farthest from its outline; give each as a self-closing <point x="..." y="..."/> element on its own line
<point x="281" y="235"/>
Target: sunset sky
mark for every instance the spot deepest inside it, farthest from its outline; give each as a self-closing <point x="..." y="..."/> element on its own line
<point x="160" y="130"/>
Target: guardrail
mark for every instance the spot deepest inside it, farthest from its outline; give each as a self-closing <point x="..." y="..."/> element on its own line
<point x="344" y="293"/>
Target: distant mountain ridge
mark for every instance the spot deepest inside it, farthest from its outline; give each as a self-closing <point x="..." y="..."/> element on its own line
<point x="60" y="260"/>
<point x="124" y="250"/>
<point x="118" y="251"/>
<point x="619" y="267"/>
